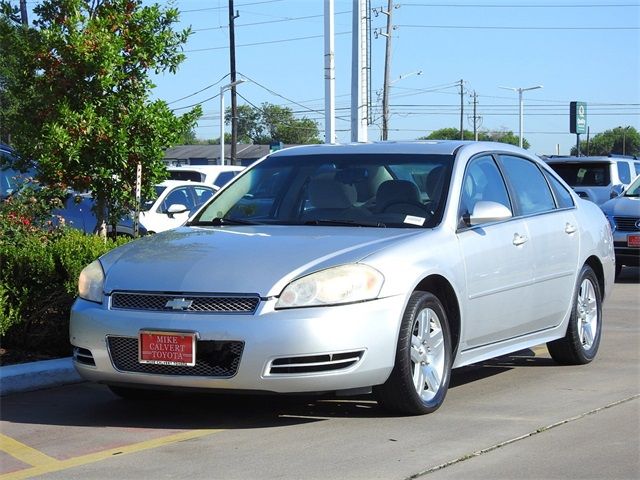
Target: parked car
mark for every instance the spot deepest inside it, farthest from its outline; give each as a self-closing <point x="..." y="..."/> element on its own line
<point x="11" y="179"/>
<point x="174" y="202"/>
<point x="376" y="267"/>
<point x="216" y="175"/>
<point x="623" y="213"/>
<point x="77" y="212"/>
<point x="596" y="178"/>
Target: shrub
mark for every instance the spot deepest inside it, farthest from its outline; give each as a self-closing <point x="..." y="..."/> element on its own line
<point x="39" y="267"/>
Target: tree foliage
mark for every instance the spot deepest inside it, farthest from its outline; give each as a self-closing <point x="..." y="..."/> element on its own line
<point x="618" y="141"/>
<point x="501" y="136"/>
<point x="76" y="94"/>
<point x="272" y="123"/>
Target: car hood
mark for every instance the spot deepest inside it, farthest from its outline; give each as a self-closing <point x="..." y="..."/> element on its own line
<point x="622" y="206"/>
<point x="248" y="259"/>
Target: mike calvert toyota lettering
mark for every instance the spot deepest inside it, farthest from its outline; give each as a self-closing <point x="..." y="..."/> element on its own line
<point x="167" y="348"/>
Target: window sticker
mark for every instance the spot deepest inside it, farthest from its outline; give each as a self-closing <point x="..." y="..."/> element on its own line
<point x="415" y="220"/>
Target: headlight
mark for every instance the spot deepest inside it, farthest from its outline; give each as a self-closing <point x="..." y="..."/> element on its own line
<point x="334" y="286"/>
<point x="612" y="222"/>
<point x="91" y="282"/>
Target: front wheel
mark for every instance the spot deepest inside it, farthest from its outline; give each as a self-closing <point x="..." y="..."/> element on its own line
<point x="581" y="342"/>
<point x="420" y="377"/>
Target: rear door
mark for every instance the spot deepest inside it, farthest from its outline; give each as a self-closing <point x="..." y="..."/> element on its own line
<point x="549" y="212"/>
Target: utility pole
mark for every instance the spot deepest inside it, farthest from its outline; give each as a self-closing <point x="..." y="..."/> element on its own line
<point x="387" y="73"/>
<point x="461" y="109"/>
<point x="359" y="72"/>
<point x="475" y="116"/>
<point x="234" y="104"/>
<point x="23" y="13"/>
<point x="329" y="74"/>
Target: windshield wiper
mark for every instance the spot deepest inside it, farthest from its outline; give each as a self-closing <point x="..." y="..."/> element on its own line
<point x="632" y="194"/>
<point x="217" y="222"/>
<point x="347" y="223"/>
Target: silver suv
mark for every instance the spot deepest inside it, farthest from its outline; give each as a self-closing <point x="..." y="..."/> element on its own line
<point x="596" y="178"/>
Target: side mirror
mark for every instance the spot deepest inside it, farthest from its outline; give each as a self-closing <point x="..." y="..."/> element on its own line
<point x="175" y="209"/>
<point x="489" y="212"/>
<point x="616" y="191"/>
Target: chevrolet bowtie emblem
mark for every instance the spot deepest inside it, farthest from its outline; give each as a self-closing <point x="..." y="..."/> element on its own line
<point x="178" y="304"/>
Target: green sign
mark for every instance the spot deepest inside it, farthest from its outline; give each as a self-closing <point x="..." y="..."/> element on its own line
<point x="578" y="117"/>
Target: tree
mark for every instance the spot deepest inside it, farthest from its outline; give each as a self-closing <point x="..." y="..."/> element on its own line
<point x="619" y="141"/>
<point x="272" y="123"/>
<point x="501" y="136"/>
<point x="76" y="95"/>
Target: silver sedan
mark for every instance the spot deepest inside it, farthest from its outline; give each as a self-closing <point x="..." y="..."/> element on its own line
<point x="352" y="268"/>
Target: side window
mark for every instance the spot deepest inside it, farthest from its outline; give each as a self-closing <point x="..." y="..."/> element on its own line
<point x="482" y="182"/>
<point x="223" y="178"/>
<point x="177" y="196"/>
<point x="202" y="195"/>
<point x="636" y="165"/>
<point x="624" y="172"/>
<point x="530" y="189"/>
<point x="563" y="197"/>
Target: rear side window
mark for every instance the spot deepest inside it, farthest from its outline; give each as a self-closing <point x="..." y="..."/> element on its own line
<point x="624" y="172"/>
<point x="223" y="178"/>
<point x="636" y="165"/>
<point x="587" y="174"/>
<point x="563" y="197"/>
<point x="530" y="189"/>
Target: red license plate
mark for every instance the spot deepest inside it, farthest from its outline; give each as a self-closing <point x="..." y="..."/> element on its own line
<point x="633" y="240"/>
<point x="167" y="348"/>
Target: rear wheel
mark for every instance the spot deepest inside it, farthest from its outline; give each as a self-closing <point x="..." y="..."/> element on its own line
<point x="581" y="342"/>
<point x="420" y="377"/>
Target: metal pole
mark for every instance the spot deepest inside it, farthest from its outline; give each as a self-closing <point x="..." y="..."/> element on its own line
<point x="359" y="104"/>
<point x="461" y="110"/>
<point x="521" y="115"/>
<point x="387" y="73"/>
<point x="222" y="125"/>
<point x="329" y="74"/>
<point x="232" y="64"/>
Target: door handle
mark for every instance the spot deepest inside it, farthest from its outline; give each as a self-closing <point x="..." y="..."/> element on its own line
<point x="569" y="229"/>
<point x="519" y="239"/>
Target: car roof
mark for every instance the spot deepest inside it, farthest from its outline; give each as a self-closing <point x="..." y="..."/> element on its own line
<point x="424" y="147"/>
<point x="180" y="183"/>
<point x="205" y="168"/>
<point x="594" y="159"/>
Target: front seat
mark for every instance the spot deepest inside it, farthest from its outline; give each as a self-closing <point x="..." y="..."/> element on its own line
<point x="399" y="196"/>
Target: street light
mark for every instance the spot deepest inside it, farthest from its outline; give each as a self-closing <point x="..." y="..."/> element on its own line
<point x="520" y="90"/>
<point x="223" y="89"/>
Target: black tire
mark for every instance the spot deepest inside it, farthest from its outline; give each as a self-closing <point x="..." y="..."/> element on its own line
<point x="580" y="344"/>
<point x="399" y="394"/>
<point x="127" y="393"/>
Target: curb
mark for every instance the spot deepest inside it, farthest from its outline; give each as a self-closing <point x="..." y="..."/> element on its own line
<point x="26" y="377"/>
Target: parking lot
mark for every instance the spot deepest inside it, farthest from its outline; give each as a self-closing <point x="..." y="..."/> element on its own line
<point x="521" y="416"/>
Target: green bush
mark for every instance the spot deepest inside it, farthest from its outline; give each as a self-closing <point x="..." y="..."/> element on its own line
<point x="39" y="268"/>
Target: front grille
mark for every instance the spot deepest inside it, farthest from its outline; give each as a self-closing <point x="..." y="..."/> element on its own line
<point x="626" y="224"/>
<point x="315" y="363"/>
<point x="157" y="302"/>
<point x="213" y="358"/>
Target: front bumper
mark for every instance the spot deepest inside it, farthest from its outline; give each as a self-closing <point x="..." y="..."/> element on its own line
<point x="369" y="329"/>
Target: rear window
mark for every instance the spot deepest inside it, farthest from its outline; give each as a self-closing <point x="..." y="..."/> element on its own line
<point x="186" y="175"/>
<point x="584" y="174"/>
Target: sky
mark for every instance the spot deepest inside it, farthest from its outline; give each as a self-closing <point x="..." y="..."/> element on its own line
<point x="578" y="50"/>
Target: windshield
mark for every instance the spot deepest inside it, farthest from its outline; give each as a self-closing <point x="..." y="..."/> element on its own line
<point x="360" y="190"/>
<point x="587" y="174"/>
<point x="634" y="188"/>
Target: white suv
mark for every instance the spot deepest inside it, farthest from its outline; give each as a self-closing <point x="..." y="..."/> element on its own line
<point x="216" y="175"/>
<point x="596" y="178"/>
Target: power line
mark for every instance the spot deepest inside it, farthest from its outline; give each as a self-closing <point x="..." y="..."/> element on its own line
<point x="495" y="27"/>
<point x="224" y="8"/>
<point x="265" y="22"/>
<point x="263" y="43"/>
<point x="199" y="91"/>
<point x="496" y="5"/>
